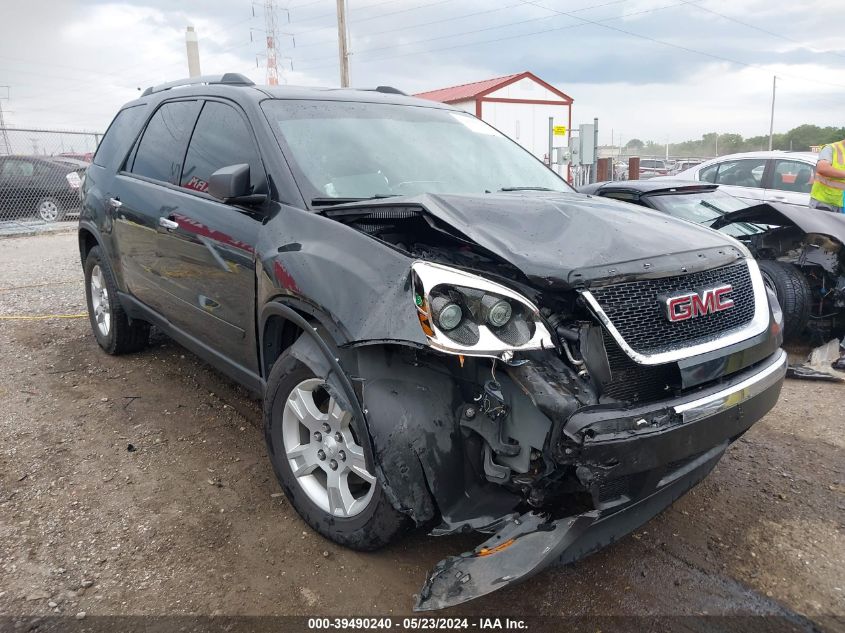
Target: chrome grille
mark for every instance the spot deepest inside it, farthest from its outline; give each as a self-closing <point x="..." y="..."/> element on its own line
<point x="635" y="311"/>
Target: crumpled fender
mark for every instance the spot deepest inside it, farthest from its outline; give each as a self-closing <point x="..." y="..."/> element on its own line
<point x="408" y="414"/>
<point x="779" y="214"/>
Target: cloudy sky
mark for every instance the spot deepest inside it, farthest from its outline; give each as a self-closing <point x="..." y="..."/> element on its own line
<point x="653" y="69"/>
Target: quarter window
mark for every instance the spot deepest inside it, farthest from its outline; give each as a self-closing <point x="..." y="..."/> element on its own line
<point x="708" y="174"/>
<point x="119" y="136"/>
<point x="793" y="175"/>
<point x="160" y="152"/>
<point x="221" y="138"/>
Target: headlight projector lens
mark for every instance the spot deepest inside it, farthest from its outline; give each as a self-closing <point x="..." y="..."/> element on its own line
<point x="448" y="315"/>
<point x="497" y="312"/>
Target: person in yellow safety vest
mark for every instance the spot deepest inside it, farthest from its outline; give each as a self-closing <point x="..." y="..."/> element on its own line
<point x="828" y="191"/>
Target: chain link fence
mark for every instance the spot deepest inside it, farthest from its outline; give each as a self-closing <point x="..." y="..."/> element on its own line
<point x="41" y="174"/>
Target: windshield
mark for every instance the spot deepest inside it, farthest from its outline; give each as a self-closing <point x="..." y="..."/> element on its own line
<point x="362" y="150"/>
<point x="703" y="207"/>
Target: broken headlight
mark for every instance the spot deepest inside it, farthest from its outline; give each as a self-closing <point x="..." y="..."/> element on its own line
<point x="462" y="313"/>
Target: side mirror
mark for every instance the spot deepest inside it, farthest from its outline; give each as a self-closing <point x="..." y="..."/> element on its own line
<point x="231" y="185"/>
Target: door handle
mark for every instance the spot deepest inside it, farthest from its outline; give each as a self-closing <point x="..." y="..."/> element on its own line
<point x="115" y="203"/>
<point x="168" y="224"/>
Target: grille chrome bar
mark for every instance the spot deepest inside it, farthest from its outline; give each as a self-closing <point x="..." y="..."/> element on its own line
<point x="734" y="395"/>
<point x="757" y="325"/>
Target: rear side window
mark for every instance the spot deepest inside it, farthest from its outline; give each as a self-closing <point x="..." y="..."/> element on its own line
<point x="16" y="168"/>
<point x="793" y="175"/>
<point x="119" y="136"/>
<point x="221" y="138"/>
<point x="159" y="154"/>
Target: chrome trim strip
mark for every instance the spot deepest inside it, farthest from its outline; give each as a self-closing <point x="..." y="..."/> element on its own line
<point x="489" y="345"/>
<point x="756" y="326"/>
<point x="728" y="398"/>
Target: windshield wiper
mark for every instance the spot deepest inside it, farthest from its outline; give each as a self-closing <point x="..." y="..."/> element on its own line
<point x="328" y="202"/>
<point x="526" y="189"/>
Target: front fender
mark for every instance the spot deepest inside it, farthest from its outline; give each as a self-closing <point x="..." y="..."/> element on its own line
<point x="358" y="287"/>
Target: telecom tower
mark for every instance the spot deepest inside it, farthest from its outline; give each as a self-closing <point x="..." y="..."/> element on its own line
<point x="270" y="31"/>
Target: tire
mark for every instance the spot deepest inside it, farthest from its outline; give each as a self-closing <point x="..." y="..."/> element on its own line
<point x="793" y="293"/>
<point x="120" y="335"/>
<point x="371" y="522"/>
<point x="49" y="209"/>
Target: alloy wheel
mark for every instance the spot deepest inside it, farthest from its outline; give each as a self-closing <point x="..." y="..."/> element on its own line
<point x="100" y="300"/>
<point x="323" y="452"/>
<point x="48" y="211"/>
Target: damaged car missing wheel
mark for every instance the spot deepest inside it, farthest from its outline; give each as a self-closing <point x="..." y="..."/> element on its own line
<point x="446" y="337"/>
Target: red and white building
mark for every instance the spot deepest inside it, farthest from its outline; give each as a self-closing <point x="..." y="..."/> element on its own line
<point x="517" y="105"/>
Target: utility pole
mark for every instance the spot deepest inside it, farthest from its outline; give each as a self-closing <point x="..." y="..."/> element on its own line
<point x="342" y="47"/>
<point x="193" y="48"/>
<point x="772" y="120"/>
<point x="594" y="171"/>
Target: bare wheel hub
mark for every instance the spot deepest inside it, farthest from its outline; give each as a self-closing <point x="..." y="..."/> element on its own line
<point x="322" y="451"/>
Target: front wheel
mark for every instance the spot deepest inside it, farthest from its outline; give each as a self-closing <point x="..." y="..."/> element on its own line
<point x="321" y="456"/>
<point x="793" y="292"/>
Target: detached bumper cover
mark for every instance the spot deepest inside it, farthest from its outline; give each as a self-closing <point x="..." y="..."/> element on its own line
<point x="533" y="542"/>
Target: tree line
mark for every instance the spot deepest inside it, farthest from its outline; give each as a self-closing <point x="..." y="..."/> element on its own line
<point x="798" y="139"/>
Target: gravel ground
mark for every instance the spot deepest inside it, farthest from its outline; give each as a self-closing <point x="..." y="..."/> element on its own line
<point x="139" y="485"/>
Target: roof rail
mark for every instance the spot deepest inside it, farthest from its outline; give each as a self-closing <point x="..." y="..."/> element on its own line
<point x="390" y="90"/>
<point x="229" y="79"/>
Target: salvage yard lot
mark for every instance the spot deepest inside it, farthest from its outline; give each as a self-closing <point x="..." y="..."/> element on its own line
<point x="140" y="485"/>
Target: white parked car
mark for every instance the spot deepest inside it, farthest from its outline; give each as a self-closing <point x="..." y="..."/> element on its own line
<point x="684" y="165"/>
<point x="760" y="176"/>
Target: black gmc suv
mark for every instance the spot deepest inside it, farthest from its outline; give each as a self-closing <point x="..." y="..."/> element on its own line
<point x="445" y="335"/>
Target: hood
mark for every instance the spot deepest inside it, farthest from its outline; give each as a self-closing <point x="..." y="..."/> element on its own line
<point x="807" y="219"/>
<point x="570" y="240"/>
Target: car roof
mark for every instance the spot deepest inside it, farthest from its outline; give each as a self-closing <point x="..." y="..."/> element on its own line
<point x="251" y="92"/>
<point x="649" y="186"/>
<point x="29" y="157"/>
<point x="809" y="157"/>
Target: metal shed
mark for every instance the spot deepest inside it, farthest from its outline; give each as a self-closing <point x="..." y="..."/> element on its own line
<point x="518" y="105"/>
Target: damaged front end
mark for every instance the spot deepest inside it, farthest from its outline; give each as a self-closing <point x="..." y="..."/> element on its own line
<point x="811" y="240"/>
<point x="555" y="411"/>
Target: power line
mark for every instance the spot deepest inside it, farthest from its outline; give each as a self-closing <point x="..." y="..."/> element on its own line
<point x="498" y="39"/>
<point x="333" y="15"/>
<point x="376" y="17"/>
<point x="767" y="32"/>
<point x="303" y="4"/>
<point x="419" y="25"/>
<point x="489" y="28"/>
<point x="678" y="46"/>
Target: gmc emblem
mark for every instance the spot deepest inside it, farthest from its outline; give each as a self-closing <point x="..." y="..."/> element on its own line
<point x="695" y="304"/>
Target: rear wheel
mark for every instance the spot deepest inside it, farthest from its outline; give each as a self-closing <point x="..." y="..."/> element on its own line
<point x="49" y="210"/>
<point x="793" y="292"/>
<point x="114" y="332"/>
<point x="321" y="456"/>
